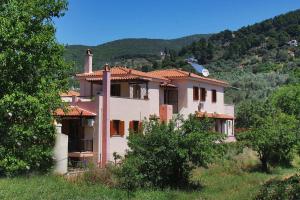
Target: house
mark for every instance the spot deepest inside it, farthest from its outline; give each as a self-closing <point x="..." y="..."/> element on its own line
<point x="116" y="99"/>
<point x="293" y="43"/>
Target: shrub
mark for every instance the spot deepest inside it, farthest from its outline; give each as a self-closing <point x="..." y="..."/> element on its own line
<point x="165" y="154"/>
<point x="288" y="189"/>
<point x="128" y="175"/>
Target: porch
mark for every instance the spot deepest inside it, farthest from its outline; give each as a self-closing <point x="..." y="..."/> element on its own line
<point x="78" y="125"/>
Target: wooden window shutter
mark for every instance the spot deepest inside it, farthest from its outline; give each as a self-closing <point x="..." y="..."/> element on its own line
<point x="203" y="94"/>
<point x="122" y="128"/>
<point x="195" y="93"/>
<point x="214" y="96"/>
<point x="112" y="130"/>
<point x="140" y="127"/>
<point x="131" y="126"/>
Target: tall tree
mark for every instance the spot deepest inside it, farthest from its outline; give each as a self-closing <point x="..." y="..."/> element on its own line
<point x="33" y="72"/>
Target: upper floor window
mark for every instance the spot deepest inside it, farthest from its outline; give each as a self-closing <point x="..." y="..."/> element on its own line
<point x="203" y="94"/>
<point x="115" y="90"/>
<point x="195" y="93"/>
<point x="214" y="96"/>
<point x="117" y="128"/>
<point x="136" y="91"/>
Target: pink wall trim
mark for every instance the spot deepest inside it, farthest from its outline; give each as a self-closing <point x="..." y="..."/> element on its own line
<point x="165" y="112"/>
<point x="106" y="116"/>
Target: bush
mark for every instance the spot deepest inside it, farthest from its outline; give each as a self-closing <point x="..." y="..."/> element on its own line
<point x="288" y="189"/>
<point x="165" y="154"/>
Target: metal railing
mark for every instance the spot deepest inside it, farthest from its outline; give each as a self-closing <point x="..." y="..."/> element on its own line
<point x="80" y="145"/>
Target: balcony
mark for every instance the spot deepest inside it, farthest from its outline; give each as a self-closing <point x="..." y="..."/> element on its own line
<point x="229" y="109"/>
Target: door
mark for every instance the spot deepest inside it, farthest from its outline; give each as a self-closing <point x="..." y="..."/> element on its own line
<point x="171" y="98"/>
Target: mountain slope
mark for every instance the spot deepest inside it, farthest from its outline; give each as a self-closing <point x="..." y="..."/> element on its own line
<point x="256" y="59"/>
<point x="116" y="51"/>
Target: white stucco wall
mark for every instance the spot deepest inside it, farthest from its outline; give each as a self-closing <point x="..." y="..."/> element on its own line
<point x="60" y="152"/>
<point x="122" y="109"/>
<point x="187" y="105"/>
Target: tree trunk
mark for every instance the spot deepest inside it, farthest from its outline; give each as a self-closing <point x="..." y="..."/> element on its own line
<point x="264" y="165"/>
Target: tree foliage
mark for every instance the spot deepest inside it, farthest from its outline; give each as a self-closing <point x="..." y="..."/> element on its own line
<point x="287" y="99"/>
<point x="273" y="137"/>
<point x="165" y="154"/>
<point x="33" y="72"/>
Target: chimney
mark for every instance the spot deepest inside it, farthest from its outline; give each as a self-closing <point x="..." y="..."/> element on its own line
<point x="88" y="61"/>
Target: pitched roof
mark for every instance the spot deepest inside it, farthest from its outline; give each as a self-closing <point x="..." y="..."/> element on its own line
<point x="121" y="73"/>
<point x="70" y="93"/>
<point x="180" y="74"/>
<point x="213" y="115"/>
<point x="74" y="111"/>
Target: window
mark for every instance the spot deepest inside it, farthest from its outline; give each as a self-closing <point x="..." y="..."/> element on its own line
<point x="203" y="94"/>
<point x="195" y="93"/>
<point x="115" y="90"/>
<point x="117" y="128"/>
<point x="214" y="96"/>
<point x="135" y="126"/>
<point x="136" y="91"/>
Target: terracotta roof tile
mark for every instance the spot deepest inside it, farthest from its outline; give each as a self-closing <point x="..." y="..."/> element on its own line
<point x="125" y="77"/>
<point x="119" y="71"/>
<point x="213" y="115"/>
<point x="179" y="74"/>
<point x="74" y="111"/>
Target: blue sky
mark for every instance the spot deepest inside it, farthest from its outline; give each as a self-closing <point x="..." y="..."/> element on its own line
<point x="93" y="22"/>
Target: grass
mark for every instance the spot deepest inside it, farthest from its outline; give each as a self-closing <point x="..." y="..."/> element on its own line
<point x="226" y="180"/>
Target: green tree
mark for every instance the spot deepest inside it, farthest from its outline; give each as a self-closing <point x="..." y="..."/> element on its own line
<point x="287" y="99"/>
<point x="273" y="139"/>
<point x="33" y="73"/>
<point x="166" y="153"/>
<point x="252" y="112"/>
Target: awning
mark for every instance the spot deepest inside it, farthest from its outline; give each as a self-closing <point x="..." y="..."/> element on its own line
<point x="74" y="111"/>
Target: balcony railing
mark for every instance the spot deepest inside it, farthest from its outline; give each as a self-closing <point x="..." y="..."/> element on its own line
<point x="81" y="145"/>
<point x="229" y="109"/>
<point x="87" y="145"/>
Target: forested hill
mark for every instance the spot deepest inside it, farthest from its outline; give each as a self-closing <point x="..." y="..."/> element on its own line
<point x="256" y="59"/>
<point x="129" y="52"/>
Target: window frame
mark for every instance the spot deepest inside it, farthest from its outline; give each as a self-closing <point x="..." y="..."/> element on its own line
<point x="117" y="128"/>
<point x="214" y="96"/>
<point x="136" y="91"/>
<point x="203" y="93"/>
<point x="115" y="90"/>
<point x="195" y="93"/>
<point x="135" y="126"/>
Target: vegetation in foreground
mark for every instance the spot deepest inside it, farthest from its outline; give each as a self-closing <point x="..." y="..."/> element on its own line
<point x="229" y="179"/>
<point x="33" y="73"/>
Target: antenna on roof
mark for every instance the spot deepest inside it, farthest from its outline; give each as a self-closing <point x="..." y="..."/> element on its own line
<point x="199" y="68"/>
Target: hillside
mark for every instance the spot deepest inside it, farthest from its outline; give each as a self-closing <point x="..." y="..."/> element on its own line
<point x="134" y="52"/>
<point x="255" y="59"/>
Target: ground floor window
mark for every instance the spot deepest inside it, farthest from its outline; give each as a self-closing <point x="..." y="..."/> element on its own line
<point x="117" y="128"/>
<point x="135" y="126"/>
